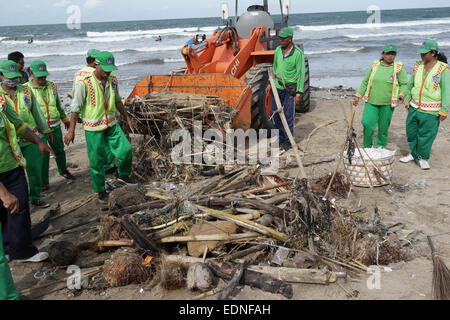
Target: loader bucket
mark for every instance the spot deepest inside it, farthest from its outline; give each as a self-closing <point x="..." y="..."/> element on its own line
<point x="235" y="92"/>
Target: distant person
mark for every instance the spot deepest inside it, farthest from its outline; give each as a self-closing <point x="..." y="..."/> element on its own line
<point x="427" y="101"/>
<point x="30" y="41"/>
<point x="159" y="38"/>
<point x="383" y="88"/>
<point x="88" y="69"/>
<point x="46" y="94"/>
<point x="19" y="58"/>
<point x="110" y="164"/>
<point x="96" y="100"/>
<point x="26" y="106"/>
<point x="16" y="222"/>
<point x="289" y="70"/>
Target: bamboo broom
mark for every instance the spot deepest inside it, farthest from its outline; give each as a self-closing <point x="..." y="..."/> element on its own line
<point x="441" y="275"/>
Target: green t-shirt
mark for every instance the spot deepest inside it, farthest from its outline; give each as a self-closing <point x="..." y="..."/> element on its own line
<point x="7" y="160"/>
<point x="381" y="91"/>
<point x="290" y="67"/>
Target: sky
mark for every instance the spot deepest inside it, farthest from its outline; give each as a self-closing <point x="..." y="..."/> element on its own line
<point x="31" y="12"/>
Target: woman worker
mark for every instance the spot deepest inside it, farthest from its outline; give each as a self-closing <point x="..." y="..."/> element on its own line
<point x="427" y="101"/>
<point x="383" y="88"/>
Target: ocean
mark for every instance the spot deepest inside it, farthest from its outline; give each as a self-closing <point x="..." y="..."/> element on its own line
<point x="340" y="46"/>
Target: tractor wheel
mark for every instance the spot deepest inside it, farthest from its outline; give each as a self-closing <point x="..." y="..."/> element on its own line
<point x="257" y="79"/>
<point x="304" y="106"/>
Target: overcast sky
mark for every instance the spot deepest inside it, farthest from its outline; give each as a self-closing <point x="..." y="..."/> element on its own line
<point x="25" y="12"/>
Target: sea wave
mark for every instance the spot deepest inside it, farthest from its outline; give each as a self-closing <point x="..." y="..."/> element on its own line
<point x="440" y="43"/>
<point x="393" y="34"/>
<point x="373" y="25"/>
<point x="153" y="32"/>
<point x="335" y="50"/>
<point x="68" y="68"/>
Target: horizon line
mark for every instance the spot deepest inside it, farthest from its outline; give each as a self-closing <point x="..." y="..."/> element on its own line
<point x="206" y="17"/>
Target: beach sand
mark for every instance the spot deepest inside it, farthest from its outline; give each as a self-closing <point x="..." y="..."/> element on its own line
<point x="424" y="206"/>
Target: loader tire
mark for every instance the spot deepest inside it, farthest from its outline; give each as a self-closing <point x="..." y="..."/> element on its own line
<point x="305" y="105"/>
<point x="257" y="78"/>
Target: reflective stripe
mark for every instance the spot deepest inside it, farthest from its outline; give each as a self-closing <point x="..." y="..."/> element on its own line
<point x="427" y="105"/>
<point x="100" y="123"/>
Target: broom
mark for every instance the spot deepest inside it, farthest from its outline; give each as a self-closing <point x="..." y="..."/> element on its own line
<point x="441" y="275"/>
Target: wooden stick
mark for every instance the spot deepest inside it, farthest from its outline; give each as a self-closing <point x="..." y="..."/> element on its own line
<point x="210" y="237"/>
<point x="285" y="124"/>
<point x="77" y="206"/>
<point x="59" y="231"/>
<point x="239" y="221"/>
<point x="237" y="276"/>
<point x="338" y="164"/>
<point x="297" y="275"/>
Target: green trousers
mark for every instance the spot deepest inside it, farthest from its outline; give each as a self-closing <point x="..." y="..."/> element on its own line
<point x="7" y="288"/>
<point x="373" y="116"/>
<point x="115" y="140"/>
<point x="421" y="130"/>
<point x="58" y="148"/>
<point x="110" y="161"/>
<point x="35" y="161"/>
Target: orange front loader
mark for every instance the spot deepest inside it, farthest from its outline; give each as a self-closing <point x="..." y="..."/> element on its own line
<point x="217" y="66"/>
<point x="233" y="65"/>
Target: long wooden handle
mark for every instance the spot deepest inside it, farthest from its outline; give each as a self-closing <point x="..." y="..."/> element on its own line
<point x="433" y="249"/>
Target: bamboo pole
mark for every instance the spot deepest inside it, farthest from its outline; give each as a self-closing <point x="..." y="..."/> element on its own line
<point x="286" y="126"/>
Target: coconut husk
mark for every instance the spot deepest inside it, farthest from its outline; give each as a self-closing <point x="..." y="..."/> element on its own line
<point x="111" y="229"/>
<point x="124" y="197"/>
<point x="172" y="275"/>
<point x="125" y="267"/>
<point x="62" y="253"/>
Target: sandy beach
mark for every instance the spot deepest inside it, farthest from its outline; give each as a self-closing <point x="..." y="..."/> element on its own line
<point x="422" y="207"/>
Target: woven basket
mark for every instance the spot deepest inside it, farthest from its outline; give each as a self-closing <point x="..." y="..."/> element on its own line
<point x="380" y="171"/>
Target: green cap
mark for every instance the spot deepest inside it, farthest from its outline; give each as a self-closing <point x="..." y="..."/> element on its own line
<point x="39" y="68"/>
<point x="286" y="33"/>
<point x="9" y="69"/>
<point x="106" y="60"/>
<point x="390" y="48"/>
<point x="92" y="53"/>
<point x="427" y="46"/>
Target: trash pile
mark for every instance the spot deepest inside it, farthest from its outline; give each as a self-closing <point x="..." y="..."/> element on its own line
<point x="213" y="230"/>
<point x="158" y="117"/>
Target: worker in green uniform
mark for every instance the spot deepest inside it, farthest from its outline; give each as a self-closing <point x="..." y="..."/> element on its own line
<point x="88" y="69"/>
<point x="110" y="164"/>
<point x="7" y="288"/>
<point x="19" y="58"/>
<point x="26" y="106"/>
<point x="289" y="71"/>
<point x="96" y="100"/>
<point x="46" y="94"/>
<point x="427" y="101"/>
<point x="383" y="88"/>
<point x="16" y="224"/>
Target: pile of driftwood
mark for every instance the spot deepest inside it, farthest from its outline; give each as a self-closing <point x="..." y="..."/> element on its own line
<point x="236" y="228"/>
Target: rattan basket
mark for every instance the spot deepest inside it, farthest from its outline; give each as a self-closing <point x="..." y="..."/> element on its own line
<point x="380" y="170"/>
